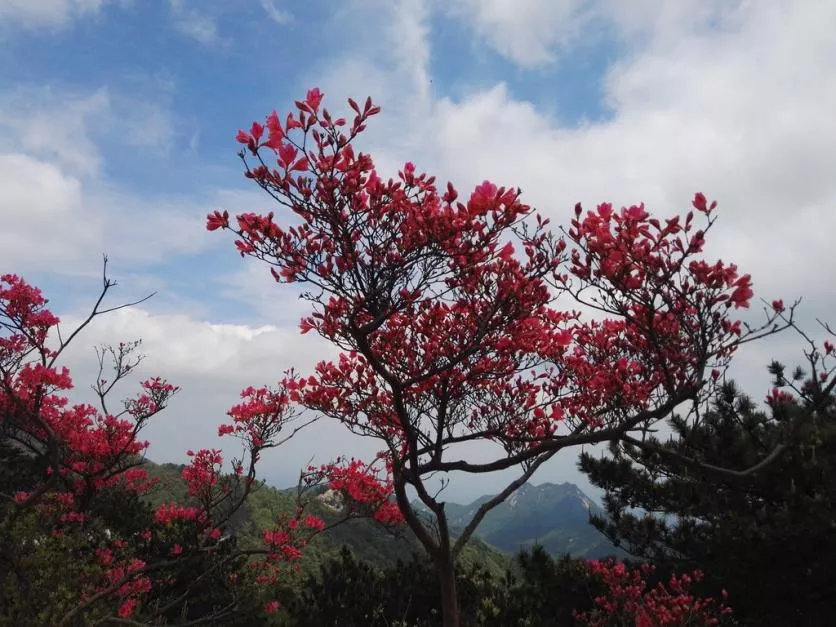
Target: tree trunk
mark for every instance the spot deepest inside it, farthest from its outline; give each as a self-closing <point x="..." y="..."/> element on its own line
<point x="449" y="598"/>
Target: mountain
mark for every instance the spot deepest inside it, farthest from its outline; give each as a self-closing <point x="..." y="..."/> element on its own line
<point x="555" y="516"/>
<point x="366" y="539"/>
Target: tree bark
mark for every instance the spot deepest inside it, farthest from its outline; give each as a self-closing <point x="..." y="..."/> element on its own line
<point x="449" y="598"/>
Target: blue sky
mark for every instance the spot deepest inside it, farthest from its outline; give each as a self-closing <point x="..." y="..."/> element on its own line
<point x="118" y="117"/>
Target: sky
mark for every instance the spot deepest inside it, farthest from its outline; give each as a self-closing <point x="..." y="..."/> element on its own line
<point x="117" y="127"/>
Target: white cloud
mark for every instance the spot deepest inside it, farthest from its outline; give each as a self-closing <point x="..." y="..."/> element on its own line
<point x="536" y="33"/>
<point x="66" y="127"/>
<point x="54" y="222"/>
<point x="252" y="284"/>
<point x="665" y="22"/>
<point x="211" y="363"/>
<point x="388" y="60"/>
<point x="58" y="212"/>
<point x="275" y="13"/>
<point x="194" y="23"/>
<point x="528" y="32"/>
<point x="149" y="126"/>
<point x="408" y="40"/>
<point x="20" y="174"/>
<point x="47" y="13"/>
<point x="45" y="222"/>
<point x="59" y="130"/>
<point x="742" y="112"/>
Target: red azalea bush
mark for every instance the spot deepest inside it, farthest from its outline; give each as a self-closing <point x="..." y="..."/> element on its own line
<point x="83" y="480"/>
<point x="444" y="310"/>
<point x="630" y="602"/>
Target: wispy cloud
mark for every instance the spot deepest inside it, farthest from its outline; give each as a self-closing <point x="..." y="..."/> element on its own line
<point x="194" y="23"/>
<point x="279" y="16"/>
<point x="690" y="113"/>
<point x="59" y="210"/>
<point x="54" y="221"/>
<point x="54" y="126"/>
<point x="528" y="32"/>
<point x="64" y="126"/>
<point x="52" y="14"/>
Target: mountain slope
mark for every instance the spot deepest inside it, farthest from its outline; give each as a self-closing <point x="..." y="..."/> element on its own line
<point x="366" y="539"/>
<point x="555" y="516"/>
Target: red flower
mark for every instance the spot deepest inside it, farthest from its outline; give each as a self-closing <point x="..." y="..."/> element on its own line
<point x="313" y="522"/>
<point x="217" y="220"/>
<point x="287" y="153"/>
<point x="127" y="608"/>
<point x="314" y="98"/>
<point x="643" y="620"/>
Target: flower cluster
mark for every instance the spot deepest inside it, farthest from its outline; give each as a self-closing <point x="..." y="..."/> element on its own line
<point x="629" y="601"/>
<point x="122" y="575"/>
<point x="285" y="543"/>
<point x="202" y="473"/>
<point x="170" y="513"/>
<point x="364" y="491"/>
<point x="94" y="445"/>
<point x="261" y="417"/>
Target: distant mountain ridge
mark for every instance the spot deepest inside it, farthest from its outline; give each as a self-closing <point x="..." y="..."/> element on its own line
<point x="555" y="516"/>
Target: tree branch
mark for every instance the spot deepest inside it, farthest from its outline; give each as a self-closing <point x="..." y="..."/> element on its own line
<point x="496" y="500"/>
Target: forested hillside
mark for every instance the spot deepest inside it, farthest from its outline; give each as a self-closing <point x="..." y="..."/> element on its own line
<point x="368" y="541"/>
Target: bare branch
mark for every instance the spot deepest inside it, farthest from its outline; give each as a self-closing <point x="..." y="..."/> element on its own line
<point x="106" y="285"/>
<point x="487" y="506"/>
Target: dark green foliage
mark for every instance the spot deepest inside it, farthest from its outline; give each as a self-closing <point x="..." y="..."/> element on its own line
<point x="537" y="591"/>
<point x="352" y="593"/>
<point x="542" y="591"/>
<point x="18" y="469"/>
<point x="769" y="539"/>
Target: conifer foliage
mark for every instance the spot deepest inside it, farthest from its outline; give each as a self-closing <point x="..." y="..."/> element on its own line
<point x="768" y="539"/>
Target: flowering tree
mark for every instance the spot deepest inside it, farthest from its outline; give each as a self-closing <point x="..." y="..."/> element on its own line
<point x="73" y="482"/>
<point x="445" y="313"/>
